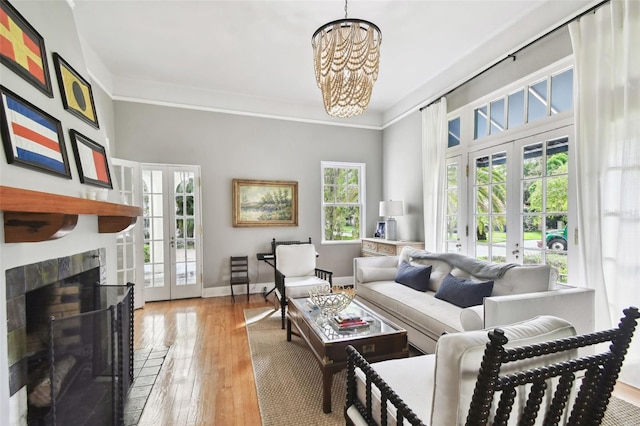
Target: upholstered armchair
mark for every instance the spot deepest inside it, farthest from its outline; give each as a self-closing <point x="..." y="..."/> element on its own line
<point x="296" y="273"/>
<point x="518" y="374"/>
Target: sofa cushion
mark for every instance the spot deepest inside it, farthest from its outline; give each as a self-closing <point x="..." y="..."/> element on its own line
<point x="420" y="310"/>
<point x="296" y="260"/>
<point x="410" y="378"/>
<point x="463" y="293"/>
<point x="459" y="355"/>
<point x="524" y="279"/>
<point x="416" y="277"/>
<point x="368" y="274"/>
<point x="297" y="287"/>
<point x="472" y="318"/>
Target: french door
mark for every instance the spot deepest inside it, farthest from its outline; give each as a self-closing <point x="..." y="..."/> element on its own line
<point x="128" y="243"/>
<point x="520" y="199"/>
<point x="492" y="195"/>
<point x="172" y="232"/>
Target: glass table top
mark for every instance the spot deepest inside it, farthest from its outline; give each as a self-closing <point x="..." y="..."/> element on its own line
<point x="329" y="330"/>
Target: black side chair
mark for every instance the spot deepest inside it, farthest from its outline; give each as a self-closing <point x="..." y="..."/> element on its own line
<point x="296" y="272"/>
<point x="239" y="273"/>
<point x="275" y="244"/>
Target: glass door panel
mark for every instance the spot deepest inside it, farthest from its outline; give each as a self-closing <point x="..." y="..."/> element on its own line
<point x="171" y="221"/>
<point x="490" y="204"/>
<point x="453" y="237"/>
<point x="546" y="199"/>
<point x="129" y="243"/>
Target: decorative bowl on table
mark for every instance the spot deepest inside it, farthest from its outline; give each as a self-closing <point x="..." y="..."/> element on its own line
<point x="331" y="301"/>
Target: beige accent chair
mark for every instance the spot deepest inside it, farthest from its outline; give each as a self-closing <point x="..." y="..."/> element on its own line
<point x="296" y="273"/>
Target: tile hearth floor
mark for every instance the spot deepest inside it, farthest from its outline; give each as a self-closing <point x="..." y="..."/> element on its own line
<point x="146" y="366"/>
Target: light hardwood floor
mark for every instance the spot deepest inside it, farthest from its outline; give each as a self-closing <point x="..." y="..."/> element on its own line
<point x="207" y="377"/>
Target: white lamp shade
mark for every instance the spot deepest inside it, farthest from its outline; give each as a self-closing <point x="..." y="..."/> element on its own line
<point x="391" y="208"/>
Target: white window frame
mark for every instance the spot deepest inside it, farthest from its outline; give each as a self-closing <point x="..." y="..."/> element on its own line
<point x="362" y="191"/>
<point x="469" y="145"/>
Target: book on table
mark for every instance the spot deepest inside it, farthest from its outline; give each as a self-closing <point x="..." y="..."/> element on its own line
<point x="349" y="322"/>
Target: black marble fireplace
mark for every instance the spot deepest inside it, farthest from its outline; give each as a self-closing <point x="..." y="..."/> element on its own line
<point x="70" y="340"/>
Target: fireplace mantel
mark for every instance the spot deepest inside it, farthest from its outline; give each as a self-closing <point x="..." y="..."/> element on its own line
<point x="32" y="216"/>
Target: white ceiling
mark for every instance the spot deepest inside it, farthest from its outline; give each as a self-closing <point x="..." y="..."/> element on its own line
<point x="255" y="57"/>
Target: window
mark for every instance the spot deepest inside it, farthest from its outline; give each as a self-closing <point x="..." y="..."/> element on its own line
<point x="343" y="189"/>
<point x="508" y="192"/>
<point x="550" y="95"/>
<point x="454" y="132"/>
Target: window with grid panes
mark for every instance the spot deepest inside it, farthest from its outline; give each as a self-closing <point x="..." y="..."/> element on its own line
<point x="343" y="189"/>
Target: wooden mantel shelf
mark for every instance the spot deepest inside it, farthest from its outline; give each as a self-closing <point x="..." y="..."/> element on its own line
<point x="31" y="216"/>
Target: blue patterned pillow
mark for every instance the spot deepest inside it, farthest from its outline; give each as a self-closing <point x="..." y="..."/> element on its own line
<point x="463" y="293"/>
<point x="416" y="277"/>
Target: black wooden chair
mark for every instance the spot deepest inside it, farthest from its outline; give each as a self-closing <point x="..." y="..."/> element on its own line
<point x="239" y="273"/>
<point x="296" y="272"/>
<point x="545" y="389"/>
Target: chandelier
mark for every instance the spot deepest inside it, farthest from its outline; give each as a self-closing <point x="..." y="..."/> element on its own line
<point x="346" y="58"/>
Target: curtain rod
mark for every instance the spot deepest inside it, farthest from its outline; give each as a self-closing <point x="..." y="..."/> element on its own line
<point x="513" y="55"/>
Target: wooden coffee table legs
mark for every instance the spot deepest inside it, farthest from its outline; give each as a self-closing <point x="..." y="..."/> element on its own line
<point x="327" y="381"/>
<point x="327" y="376"/>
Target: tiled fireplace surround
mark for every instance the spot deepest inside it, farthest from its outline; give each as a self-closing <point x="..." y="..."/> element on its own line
<point x="23" y="279"/>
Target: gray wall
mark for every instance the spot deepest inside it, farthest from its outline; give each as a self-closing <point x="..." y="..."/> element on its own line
<point x="104" y="106"/>
<point x="402" y="173"/>
<point x="402" y="141"/>
<point x="232" y="146"/>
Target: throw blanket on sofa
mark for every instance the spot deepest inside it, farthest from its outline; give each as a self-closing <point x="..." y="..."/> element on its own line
<point x="476" y="267"/>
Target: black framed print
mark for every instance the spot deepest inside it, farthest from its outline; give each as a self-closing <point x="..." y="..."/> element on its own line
<point x="91" y="160"/>
<point x="31" y="137"/>
<point x="77" y="97"/>
<point x="22" y="49"/>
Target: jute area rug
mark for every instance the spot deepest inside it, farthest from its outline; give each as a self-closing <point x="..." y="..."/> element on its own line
<point x="289" y="382"/>
<point x="288" y="378"/>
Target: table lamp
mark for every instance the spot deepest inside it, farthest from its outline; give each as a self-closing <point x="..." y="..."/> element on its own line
<point x="390" y="209"/>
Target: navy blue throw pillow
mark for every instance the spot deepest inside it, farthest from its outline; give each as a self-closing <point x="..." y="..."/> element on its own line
<point x="463" y="293"/>
<point x="416" y="277"/>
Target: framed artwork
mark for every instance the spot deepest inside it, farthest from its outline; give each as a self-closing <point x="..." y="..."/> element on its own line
<point x="22" y="49"/>
<point x="265" y="203"/>
<point x="31" y="137"/>
<point x="91" y="159"/>
<point x="77" y="97"/>
<point x="381" y="230"/>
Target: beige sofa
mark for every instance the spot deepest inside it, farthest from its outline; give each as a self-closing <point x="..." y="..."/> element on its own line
<point x="520" y="292"/>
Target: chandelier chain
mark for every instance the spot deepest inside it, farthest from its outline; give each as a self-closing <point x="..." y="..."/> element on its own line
<point x="345" y="8"/>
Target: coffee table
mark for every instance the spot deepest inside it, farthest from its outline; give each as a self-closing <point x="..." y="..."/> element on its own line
<point x="380" y="340"/>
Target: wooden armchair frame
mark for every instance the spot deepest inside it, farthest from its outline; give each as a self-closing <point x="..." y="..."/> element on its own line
<point x="590" y="399"/>
<point x="280" y="278"/>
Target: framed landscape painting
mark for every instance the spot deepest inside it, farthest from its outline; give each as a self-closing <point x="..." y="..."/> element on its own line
<point x="265" y="203"/>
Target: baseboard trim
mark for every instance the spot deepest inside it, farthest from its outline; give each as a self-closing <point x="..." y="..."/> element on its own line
<point x="240" y="289"/>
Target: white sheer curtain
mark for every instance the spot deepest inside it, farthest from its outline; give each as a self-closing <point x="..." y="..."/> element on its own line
<point x="606" y="46"/>
<point x="434" y="145"/>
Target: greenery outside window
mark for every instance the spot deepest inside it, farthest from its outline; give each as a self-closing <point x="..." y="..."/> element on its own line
<point x="343" y="189"/>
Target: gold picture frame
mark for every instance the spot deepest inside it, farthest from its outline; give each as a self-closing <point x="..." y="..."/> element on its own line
<point x="265" y="203"/>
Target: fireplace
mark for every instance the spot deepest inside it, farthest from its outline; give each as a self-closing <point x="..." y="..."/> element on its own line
<point x="70" y="340"/>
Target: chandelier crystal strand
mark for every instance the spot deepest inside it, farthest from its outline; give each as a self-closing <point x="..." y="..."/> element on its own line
<point x="346" y="62"/>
